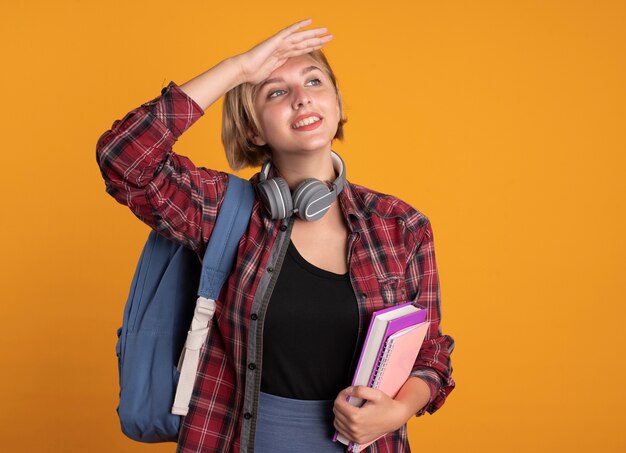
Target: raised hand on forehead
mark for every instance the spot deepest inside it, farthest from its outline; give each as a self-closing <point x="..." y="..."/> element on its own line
<point x="260" y="61"/>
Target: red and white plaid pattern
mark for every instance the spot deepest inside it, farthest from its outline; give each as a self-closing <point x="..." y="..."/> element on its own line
<point x="391" y="260"/>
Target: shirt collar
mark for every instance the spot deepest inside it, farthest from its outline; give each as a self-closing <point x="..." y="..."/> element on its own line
<point x="353" y="206"/>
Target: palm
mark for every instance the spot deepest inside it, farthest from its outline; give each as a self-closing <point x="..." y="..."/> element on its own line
<point x="264" y="59"/>
<point x="259" y="62"/>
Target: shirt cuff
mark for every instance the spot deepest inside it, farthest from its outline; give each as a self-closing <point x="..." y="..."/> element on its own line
<point x="177" y="111"/>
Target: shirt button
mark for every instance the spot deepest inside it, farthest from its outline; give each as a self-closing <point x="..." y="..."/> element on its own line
<point x="283" y="227"/>
<point x="251" y="366"/>
<point x="270" y="269"/>
<point x="363" y="296"/>
<point x="254" y="316"/>
<point x="247" y="415"/>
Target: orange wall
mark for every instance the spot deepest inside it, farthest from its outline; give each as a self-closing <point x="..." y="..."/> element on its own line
<point x="503" y="121"/>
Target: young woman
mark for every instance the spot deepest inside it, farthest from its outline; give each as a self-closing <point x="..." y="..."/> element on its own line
<point x="319" y="256"/>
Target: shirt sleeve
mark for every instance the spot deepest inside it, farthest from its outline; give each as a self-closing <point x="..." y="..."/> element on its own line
<point x="433" y="361"/>
<point x="163" y="189"/>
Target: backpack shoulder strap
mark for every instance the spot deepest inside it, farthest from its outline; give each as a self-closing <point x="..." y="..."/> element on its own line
<point x="232" y="221"/>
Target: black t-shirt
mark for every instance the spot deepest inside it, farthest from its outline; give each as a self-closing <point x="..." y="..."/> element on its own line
<point x="310" y="332"/>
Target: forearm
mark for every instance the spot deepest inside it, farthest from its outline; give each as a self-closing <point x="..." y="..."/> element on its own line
<point x="212" y="84"/>
<point x="433" y="363"/>
<point x="414" y="395"/>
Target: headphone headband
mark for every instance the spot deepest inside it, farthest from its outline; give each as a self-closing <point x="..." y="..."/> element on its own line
<point x="338" y="165"/>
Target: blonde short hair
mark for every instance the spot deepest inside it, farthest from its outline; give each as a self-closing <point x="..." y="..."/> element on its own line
<point x="239" y="120"/>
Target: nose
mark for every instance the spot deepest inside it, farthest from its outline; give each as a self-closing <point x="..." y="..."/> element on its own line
<point x="300" y="97"/>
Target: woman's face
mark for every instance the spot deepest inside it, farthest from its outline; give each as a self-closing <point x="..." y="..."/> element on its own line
<point x="297" y="108"/>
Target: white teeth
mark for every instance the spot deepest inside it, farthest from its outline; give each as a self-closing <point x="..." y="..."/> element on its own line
<point x="306" y="121"/>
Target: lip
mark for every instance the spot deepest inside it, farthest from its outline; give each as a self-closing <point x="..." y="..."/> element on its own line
<point x="310" y="126"/>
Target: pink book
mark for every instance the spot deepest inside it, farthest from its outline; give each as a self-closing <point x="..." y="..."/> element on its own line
<point x="395" y="364"/>
<point x="398" y="358"/>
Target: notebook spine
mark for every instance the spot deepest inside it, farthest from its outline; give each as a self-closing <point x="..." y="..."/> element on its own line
<point x="379" y="370"/>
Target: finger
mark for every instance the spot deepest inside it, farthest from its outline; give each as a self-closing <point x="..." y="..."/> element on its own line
<point x="310" y="47"/>
<point x="343" y="408"/>
<point x="352" y="433"/>
<point x="342" y="398"/>
<point x="342" y="420"/>
<point x="312" y="42"/>
<point x="294" y="27"/>
<point x="342" y="428"/>
<point x="367" y="393"/>
<point x="345" y="411"/>
<point x="307" y="34"/>
<point x="345" y="427"/>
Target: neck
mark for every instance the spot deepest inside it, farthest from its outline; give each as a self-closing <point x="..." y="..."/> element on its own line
<point x="296" y="168"/>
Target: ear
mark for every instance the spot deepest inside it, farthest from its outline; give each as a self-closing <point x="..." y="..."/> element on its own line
<point x="255" y="138"/>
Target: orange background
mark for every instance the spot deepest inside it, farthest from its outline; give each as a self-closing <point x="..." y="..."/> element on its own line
<point x="502" y="121"/>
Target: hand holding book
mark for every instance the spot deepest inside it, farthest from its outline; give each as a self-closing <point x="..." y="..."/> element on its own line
<point x="380" y="414"/>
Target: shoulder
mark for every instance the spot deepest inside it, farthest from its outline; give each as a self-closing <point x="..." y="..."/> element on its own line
<point x="390" y="210"/>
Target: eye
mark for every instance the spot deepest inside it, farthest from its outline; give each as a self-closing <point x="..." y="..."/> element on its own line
<point x="275" y="93"/>
<point x="314" y="82"/>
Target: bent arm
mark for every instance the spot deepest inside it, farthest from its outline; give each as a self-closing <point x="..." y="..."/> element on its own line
<point x="433" y="364"/>
<point x="164" y="190"/>
<point x="256" y="64"/>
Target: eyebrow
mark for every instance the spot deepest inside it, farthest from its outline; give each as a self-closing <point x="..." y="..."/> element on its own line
<point x="279" y="79"/>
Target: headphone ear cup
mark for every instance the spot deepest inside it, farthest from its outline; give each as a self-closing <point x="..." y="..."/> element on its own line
<point x="312" y="199"/>
<point x="276" y="197"/>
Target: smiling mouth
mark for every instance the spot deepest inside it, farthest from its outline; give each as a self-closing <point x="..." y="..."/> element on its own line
<point x="307" y="123"/>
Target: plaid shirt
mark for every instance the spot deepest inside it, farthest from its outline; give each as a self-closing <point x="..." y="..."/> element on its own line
<point x="391" y="260"/>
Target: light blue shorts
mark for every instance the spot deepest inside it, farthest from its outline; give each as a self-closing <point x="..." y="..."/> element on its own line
<point x="286" y="425"/>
